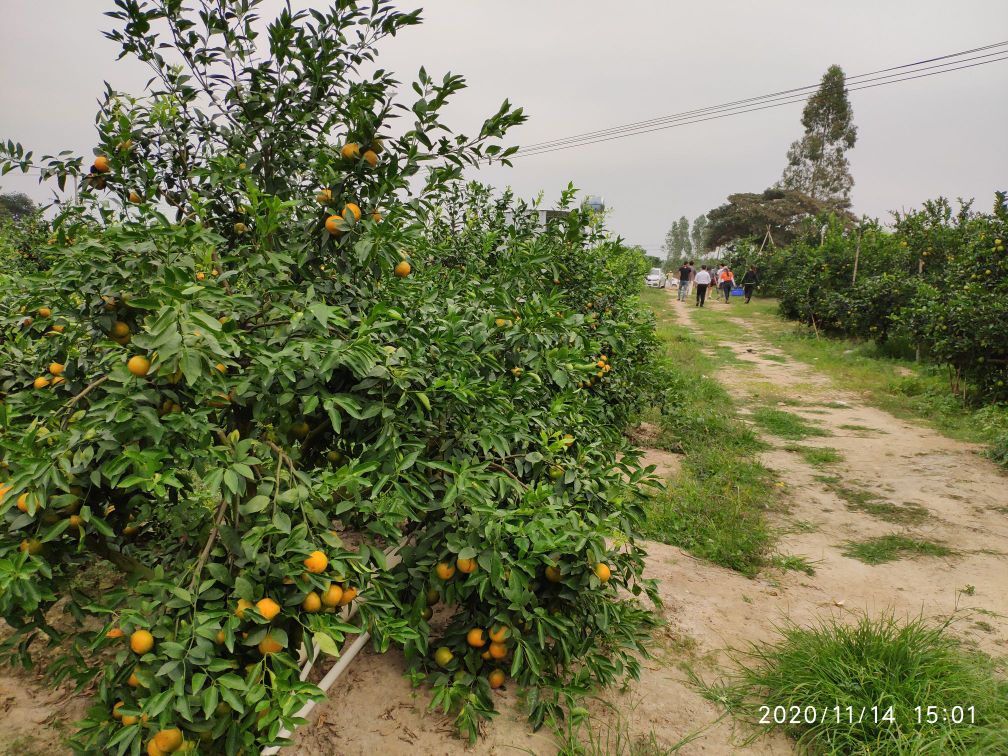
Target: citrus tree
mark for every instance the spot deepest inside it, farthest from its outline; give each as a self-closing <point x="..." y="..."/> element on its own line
<point x="262" y="383"/>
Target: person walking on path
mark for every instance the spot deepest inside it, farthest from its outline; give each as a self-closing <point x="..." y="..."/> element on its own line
<point x="692" y="275"/>
<point x="726" y="279"/>
<point x="749" y="281"/>
<point x="685" y="271"/>
<point x="703" y="279"/>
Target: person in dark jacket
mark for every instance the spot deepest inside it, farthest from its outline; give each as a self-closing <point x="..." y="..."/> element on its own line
<point x="749" y="281"/>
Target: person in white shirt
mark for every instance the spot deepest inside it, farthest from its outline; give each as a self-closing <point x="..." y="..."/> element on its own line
<point x="702" y="281"/>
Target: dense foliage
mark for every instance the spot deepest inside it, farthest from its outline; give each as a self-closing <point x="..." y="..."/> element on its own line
<point x="309" y="390"/>
<point x="938" y="282"/>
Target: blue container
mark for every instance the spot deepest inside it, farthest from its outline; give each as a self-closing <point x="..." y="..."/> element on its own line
<point x="737" y="291"/>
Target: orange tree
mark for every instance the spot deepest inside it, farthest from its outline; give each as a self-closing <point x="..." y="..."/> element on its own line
<point x="257" y="362"/>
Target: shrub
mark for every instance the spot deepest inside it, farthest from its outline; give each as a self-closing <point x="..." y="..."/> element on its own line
<point x="229" y="368"/>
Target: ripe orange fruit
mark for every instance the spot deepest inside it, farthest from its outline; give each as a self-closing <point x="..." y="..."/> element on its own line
<point x="350" y="151"/>
<point x="370" y="158"/>
<point x="44" y="312"/>
<point x="553" y="574"/>
<point x="141" y="641"/>
<point x="316" y="562"/>
<point x="497" y="650"/>
<point x="312" y="603"/>
<point x="115" y="709"/>
<point x="22" y="502"/>
<point x="27" y="322"/>
<point x="242" y="605"/>
<point x="240" y="228"/>
<point x="500" y="322"/>
<point x="349" y="594"/>
<point x="169" y="740"/>
<point x="75" y="522"/>
<point x="56" y="368"/>
<point x="335" y="225"/>
<point x="376" y="216"/>
<point x="115" y="632"/>
<point x="153" y="750"/>
<point x="443" y="656"/>
<point x="499" y="633"/>
<point x="119" y="329"/>
<point x="324" y="197"/>
<point x="467" y="566"/>
<point x="476" y="637"/>
<point x="402" y="269"/>
<point x="485" y="655"/>
<point x="33" y="546"/>
<point x="353" y="209"/>
<point x="41" y="382"/>
<point x="220" y="638"/>
<point x="496" y="678"/>
<point x="603" y="572"/>
<point x="133" y="681"/>
<point x="134" y="197"/>
<point x="101" y="164"/>
<point x="220" y="367"/>
<point x="333" y="595"/>
<point x="200" y="275"/>
<point x="269" y="645"/>
<point x="445" y="571"/>
<point x="268" y="608"/>
<point x="57" y="328"/>
<point x="138" y="365"/>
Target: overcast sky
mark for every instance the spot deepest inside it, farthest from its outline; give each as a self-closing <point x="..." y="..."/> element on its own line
<point x="586" y="65"/>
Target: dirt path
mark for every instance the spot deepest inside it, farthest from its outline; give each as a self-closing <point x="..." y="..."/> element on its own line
<point x="893" y="477"/>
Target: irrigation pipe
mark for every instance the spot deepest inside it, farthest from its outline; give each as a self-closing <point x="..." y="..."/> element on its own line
<point x="348" y="655"/>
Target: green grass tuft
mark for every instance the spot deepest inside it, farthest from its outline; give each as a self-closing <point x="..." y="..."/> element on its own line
<point x="817" y="456"/>
<point x="889" y="548"/>
<point x="878" y="662"/>
<point x="785" y="424"/>
<point x="792" y="562"/>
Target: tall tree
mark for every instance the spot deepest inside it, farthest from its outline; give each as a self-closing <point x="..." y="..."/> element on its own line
<point x="750" y="215"/>
<point x="16" y="205"/>
<point x="677" y="240"/>
<point x="699" y="234"/>
<point x="817" y="163"/>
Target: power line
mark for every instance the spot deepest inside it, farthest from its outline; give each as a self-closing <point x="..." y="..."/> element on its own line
<point x="775" y="99"/>
<point x="792" y="91"/>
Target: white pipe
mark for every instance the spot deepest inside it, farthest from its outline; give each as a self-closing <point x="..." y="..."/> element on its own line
<point x="392" y="556"/>
<point x="325" y="684"/>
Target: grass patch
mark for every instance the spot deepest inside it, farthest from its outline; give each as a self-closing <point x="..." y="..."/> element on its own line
<point x="715" y="506"/>
<point x="817" y="456"/>
<point x="889" y="548"/>
<point x="860" y="428"/>
<point x="793" y="563"/>
<point x="785" y="424"/>
<point x="878" y="662"/>
<point x="862" y="500"/>
<point x="774" y="357"/>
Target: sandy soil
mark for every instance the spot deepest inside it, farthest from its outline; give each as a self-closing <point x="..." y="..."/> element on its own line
<point x="707" y="609"/>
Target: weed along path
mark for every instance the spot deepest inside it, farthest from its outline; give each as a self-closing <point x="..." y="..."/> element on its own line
<point x="890" y="515"/>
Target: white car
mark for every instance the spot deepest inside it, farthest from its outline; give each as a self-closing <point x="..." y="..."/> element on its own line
<point x="655" y="278"/>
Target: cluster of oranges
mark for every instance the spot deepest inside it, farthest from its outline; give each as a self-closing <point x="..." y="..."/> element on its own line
<point x="446" y="570"/>
<point x="166" y="740"/>
<point x="492" y="640"/>
<point x="601" y="369"/>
